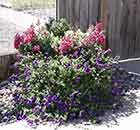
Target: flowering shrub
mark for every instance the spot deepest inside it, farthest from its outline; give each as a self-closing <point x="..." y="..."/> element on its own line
<point x="62" y="75"/>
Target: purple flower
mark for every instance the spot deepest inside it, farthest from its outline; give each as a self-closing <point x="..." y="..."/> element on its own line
<point x="36" y="62"/>
<point x="72" y="115"/>
<point x="13" y="78"/>
<point x="82" y="114"/>
<point x="77" y="79"/>
<point x="47" y="103"/>
<point x="49" y="99"/>
<point x="87" y="69"/>
<point x="27" y="73"/>
<point x="99" y="63"/>
<point x="7" y="114"/>
<point x="16" y="96"/>
<point x="46" y="54"/>
<point x="18" y="84"/>
<point x="18" y="57"/>
<point x="29" y="102"/>
<point x="36" y="109"/>
<point x="62" y="106"/>
<point x="30" y="122"/>
<point x="76" y="54"/>
<point x="78" y="66"/>
<point x="33" y="98"/>
<point x="54" y="98"/>
<point x="116" y="91"/>
<point x="20" y="115"/>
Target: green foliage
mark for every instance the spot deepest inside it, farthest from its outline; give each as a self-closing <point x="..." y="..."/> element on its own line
<point x="58" y="27"/>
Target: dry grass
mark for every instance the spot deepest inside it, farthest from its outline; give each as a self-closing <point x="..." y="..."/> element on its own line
<point x="32" y="4"/>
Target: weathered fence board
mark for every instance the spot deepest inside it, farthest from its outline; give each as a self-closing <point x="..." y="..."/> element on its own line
<point x="121" y="19"/>
<point x="5" y="61"/>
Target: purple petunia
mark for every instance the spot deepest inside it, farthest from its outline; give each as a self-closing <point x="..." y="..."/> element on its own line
<point x="77" y="53"/>
<point x="29" y="102"/>
<point x="99" y="63"/>
<point x="116" y="90"/>
<point x="87" y="69"/>
<point x="33" y="98"/>
<point x="27" y="72"/>
<point x="82" y="114"/>
<point x="62" y="106"/>
<point x="77" y="79"/>
<point x="13" y="78"/>
<point x="35" y="62"/>
<point x="16" y="96"/>
<point x="30" y="122"/>
<point x="46" y="54"/>
<point x="78" y="66"/>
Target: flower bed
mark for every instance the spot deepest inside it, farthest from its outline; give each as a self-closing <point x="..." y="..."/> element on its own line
<point x="63" y="74"/>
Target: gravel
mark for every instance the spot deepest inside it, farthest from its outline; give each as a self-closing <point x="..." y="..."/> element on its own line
<point x="6" y="104"/>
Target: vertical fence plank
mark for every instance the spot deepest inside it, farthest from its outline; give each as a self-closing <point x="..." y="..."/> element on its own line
<point x="93" y="11"/>
<point x="61" y="8"/>
<point x="76" y="13"/>
<point x="137" y="45"/>
<point x="84" y="19"/>
<point x="113" y="26"/>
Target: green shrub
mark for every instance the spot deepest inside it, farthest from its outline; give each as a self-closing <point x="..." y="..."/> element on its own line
<point x="69" y="79"/>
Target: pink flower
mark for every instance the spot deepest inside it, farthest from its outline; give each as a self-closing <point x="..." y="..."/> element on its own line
<point x="65" y="44"/>
<point x="36" y="48"/>
<point x="101" y="39"/>
<point x="85" y="41"/>
<point x="95" y="34"/>
<point x="99" y="26"/>
<point x="29" y="35"/>
<point x="18" y="40"/>
<point x="27" y="39"/>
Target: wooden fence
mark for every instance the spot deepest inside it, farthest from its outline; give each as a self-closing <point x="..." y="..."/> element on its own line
<point x="121" y="19"/>
<point x="5" y="61"/>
